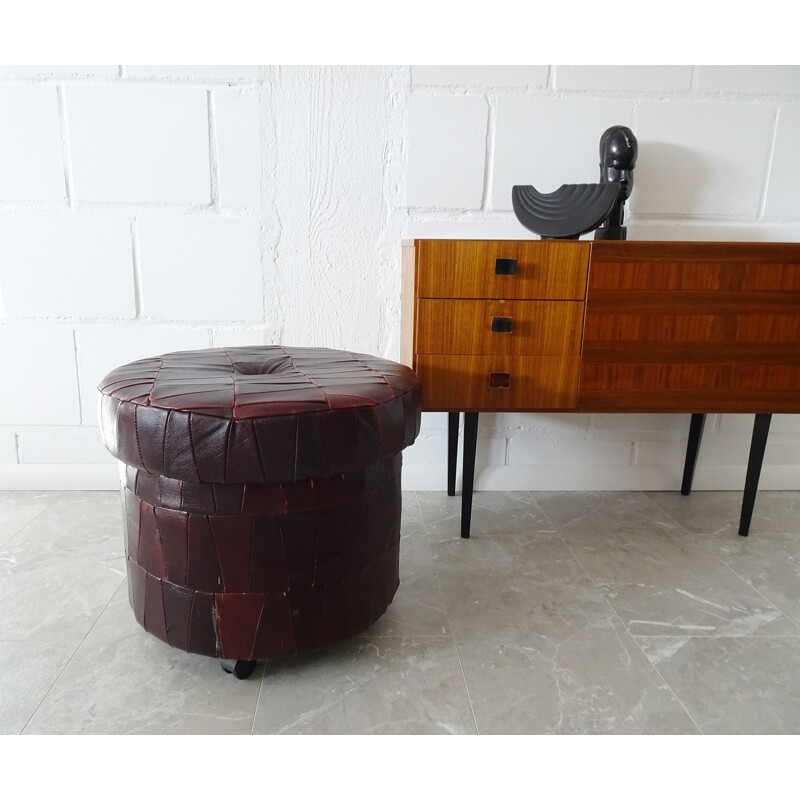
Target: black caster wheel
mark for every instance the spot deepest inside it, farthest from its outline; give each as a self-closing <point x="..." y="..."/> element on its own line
<point x="241" y="669"/>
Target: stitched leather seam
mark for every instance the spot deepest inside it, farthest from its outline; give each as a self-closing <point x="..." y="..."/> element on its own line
<point x="136" y="434"/>
<point x="316" y="554"/>
<point x="285" y="562"/>
<point x="216" y="551"/>
<point x="164" y="444"/>
<point x="260" y="458"/>
<point x="160" y="541"/>
<point x="375" y="373"/>
<point x="163" y="607"/>
<point x="296" y="446"/>
<point x="189" y="622"/>
<point x="258" y="625"/>
<point x="191" y="447"/>
<point x="186" y="571"/>
<point x="139" y="532"/>
<point x="310" y="380"/>
<point x="250" y="553"/>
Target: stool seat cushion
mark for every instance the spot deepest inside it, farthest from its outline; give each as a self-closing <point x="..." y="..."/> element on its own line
<point x="258" y="415"/>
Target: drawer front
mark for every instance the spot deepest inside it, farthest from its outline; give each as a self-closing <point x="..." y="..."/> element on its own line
<point x="501" y="327"/>
<point x="498" y="383"/>
<point x="703" y="328"/>
<point x="535" y="270"/>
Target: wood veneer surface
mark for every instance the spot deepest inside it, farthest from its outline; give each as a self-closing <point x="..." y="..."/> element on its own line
<point x="464" y="327"/>
<point x="692" y="327"/>
<point x="669" y="326"/>
<point x="466" y="269"/>
<point x="537" y="383"/>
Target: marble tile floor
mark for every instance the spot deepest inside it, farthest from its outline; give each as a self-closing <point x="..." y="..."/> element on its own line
<point x="565" y="613"/>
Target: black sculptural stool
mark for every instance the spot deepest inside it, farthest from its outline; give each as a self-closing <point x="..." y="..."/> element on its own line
<point x="577" y="208"/>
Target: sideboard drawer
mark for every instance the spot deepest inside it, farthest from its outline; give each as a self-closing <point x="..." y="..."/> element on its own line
<point x="497" y="382"/>
<point x="525" y="270"/>
<point x="510" y="327"/>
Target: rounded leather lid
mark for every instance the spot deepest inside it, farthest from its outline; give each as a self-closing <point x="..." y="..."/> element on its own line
<point x="263" y="414"/>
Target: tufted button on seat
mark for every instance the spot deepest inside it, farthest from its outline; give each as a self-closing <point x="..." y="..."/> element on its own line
<point x="262" y="493"/>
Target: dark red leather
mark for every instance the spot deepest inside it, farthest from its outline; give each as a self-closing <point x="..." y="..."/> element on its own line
<point x="262" y="493"/>
<point x="258" y="414"/>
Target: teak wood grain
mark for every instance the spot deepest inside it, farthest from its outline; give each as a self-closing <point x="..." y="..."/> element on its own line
<point x="464" y="327"/>
<point x="537" y="383"/>
<point x="698" y="327"/>
<point x="466" y="269"/>
<point x="668" y="326"/>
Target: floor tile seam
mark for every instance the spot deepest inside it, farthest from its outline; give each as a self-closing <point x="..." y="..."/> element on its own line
<point x="700" y="534"/>
<point x="667" y="514"/>
<point x="72" y="656"/>
<point x="450" y="627"/>
<point x="35" y="517"/>
<point x="419" y="510"/>
<point x="466" y="688"/>
<point x="60" y="566"/>
<point x="753" y="588"/>
<point x="633" y="638"/>
<point x="694" y="537"/>
<point x="444" y="636"/>
<point x="553" y="526"/>
<point x="263" y="669"/>
<point x="442" y="599"/>
<point x="717" y="559"/>
<point x="558" y="527"/>
<point x="490" y="535"/>
<point x="701" y="636"/>
<point x="435" y="570"/>
<point x="665" y="682"/>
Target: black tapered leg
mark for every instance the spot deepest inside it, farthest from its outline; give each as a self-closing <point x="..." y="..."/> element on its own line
<point x="692" y="449"/>
<point x="470" y="445"/>
<point x="452" y="450"/>
<point x="757" y="446"/>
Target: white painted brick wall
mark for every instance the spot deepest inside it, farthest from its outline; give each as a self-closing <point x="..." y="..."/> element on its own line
<point x="238" y="141"/>
<point x="8" y="447"/>
<point x="96" y="71"/>
<point x="487" y="77"/>
<point x="40" y="384"/>
<point x="447" y="144"/>
<point x="103" y="347"/>
<point x="660" y="453"/>
<point x="139" y="144"/>
<point x="31" y="164"/>
<point x="85" y="264"/>
<point x="200" y="268"/>
<point x="333" y="275"/>
<point x="194" y="73"/>
<point x="702" y="159"/>
<point x="531" y="449"/>
<point x="773" y="80"/>
<point x="609" y="78"/>
<point x="226" y="336"/>
<point x="145" y="209"/>
<point x="743" y="423"/>
<point x="53" y="445"/>
<point x="783" y="190"/>
<point x="547" y="141"/>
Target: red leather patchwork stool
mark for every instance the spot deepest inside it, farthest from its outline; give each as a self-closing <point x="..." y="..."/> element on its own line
<point x="261" y="493"/>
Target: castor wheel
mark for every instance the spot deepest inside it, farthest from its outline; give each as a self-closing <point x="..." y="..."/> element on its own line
<point x="241" y="669"/>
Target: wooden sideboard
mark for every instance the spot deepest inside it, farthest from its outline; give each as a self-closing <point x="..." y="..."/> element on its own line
<point x="603" y="326"/>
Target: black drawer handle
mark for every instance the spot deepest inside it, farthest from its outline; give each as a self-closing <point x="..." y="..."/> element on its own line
<point x="502" y="325"/>
<point x="505" y="266"/>
<point x="499" y="380"/>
